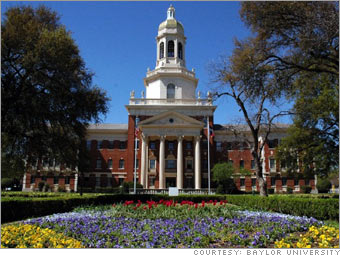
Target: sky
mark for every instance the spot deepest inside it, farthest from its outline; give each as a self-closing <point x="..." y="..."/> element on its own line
<point x="117" y="42"/>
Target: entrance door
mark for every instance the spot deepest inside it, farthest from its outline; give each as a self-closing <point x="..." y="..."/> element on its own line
<point x="170" y="182"/>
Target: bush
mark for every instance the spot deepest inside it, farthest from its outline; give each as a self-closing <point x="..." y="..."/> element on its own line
<point x="289" y="190"/>
<point x="306" y="189"/>
<point x="61" y="189"/>
<point x="41" y="186"/>
<point x="6" y="183"/>
<point x="270" y="191"/>
<point x="323" y="185"/>
<point x="47" y="187"/>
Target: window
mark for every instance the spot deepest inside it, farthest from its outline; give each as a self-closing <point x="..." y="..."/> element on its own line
<point x="32" y="179"/>
<point x="307" y="182"/>
<point x="120" y="181"/>
<point x="152" y="145"/>
<point x="170" y="91"/>
<point x="180" y="50"/>
<point x="121" y="164"/>
<point x="272" y="181"/>
<point x="88" y="145"/>
<point x="171" y="49"/>
<point x="284" y="181"/>
<point x="152" y="180"/>
<point x="99" y="145"/>
<point x="122" y="145"/>
<point x="188" y="145"/>
<point x="189" y="164"/>
<point x="111" y="144"/>
<point x="229" y="146"/>
<point x="152" y="164"/>
<point x="55" y="180"/>
<point x="170" y="164"/>
<point x="241" y="163"/>
<point x="44" y="178"/>
<point x="218" y="146"/>
<point x="171" y="146"/>
<point x="67" y="179"/>
<point x="242" y="182"/>
<point x="252" y="166"/>
<point x="51" y="162"/>
<point x="272" y="143"/>
<point x="161" y="50"/>
<point x="296" y="182"/>
<point x="99" y="163"/>
<point x="253" y="182"/>
<point x="109" y="163"/>
<point x="45" y="164"/>
<point x="137" y="163"/>
<point x="137" y="147"/>
<point x="272" y="164"/>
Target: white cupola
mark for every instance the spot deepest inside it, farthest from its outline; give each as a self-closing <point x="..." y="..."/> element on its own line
<point x="170" y="79"/>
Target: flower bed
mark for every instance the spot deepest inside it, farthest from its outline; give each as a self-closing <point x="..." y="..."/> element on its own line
<point x="30" y="236"/>
<point x="168" y="224"/>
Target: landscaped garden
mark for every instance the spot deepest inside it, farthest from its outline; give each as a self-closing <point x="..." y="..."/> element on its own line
<point x="171" y="223"/>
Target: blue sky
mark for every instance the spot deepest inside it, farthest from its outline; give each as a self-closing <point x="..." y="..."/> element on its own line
<point x="117" y="42"/>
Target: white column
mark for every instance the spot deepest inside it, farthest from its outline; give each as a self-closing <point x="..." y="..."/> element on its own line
<point x="146" y="174"/>
<point x="180" y="163"/>
<point x="143" y="163"/>
<point x="197" y="163"/>
<point x="162" y="163"/>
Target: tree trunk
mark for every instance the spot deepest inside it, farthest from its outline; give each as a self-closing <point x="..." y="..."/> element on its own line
<point x="259" y="176"/>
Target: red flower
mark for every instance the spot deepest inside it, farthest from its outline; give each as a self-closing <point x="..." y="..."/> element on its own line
<point x="135" y="208"/>
<point x="196" y="205"/>
<point x="114" y="205"/>
<point x="144" y="207"/>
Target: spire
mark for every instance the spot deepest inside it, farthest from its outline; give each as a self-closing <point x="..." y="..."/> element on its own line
<point x="171" y="12"/>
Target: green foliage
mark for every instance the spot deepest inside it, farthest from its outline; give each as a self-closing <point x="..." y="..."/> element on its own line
<point x="222" y="173"/>
<point x="306" y="189"/>
<point x="289" y="190"/>
<point x="270" y="191"/>
<point x="323" y="185"/>
<point x="41" y="186"/>
<point x="47" y="93"/>
<point x="6" y="183"/>
<point x="321" y="209"/>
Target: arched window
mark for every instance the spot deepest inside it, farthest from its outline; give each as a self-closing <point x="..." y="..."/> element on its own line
<point x="171" y="49"/>
<point x="170" y="92"/>
<point x="161" y="50"/>
<point x="180" y="51"/>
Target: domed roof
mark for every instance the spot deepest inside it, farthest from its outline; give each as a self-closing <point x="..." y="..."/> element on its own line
<point x="171" y="22"/>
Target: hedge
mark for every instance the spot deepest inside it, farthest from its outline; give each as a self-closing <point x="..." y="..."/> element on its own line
<point x="19" y="208"/>
<point x="322" y="209"/>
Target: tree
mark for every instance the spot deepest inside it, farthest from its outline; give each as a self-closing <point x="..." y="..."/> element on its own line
<point x="303" y="49"/>
<point x="222" y="175"/>
<point x="247" y="78"/>
<point x="48" y="97"/>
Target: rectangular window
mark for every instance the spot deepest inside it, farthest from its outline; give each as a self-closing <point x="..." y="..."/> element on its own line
<point x="55" y="180"/>
<point x="51" y="162"/>
<point x="88" y="145"/>
<point x="120" y="181"/>
<point x="229" y="146"/>
<point x="272" y="143"/>
<point x="253" y="182"/>
<point x="171" y="146"/>
<point x="122" y="145"/>
<point x="242" y="182"/>
<point x="170" y="164"/>
<point x="152" y="180"/>
<point x="189" y="164"/>
<point x="32" y="179"/>
<point x="188" y="145"/>
<point x="152" y="146"/>
<point x="272" y="164"/>
<point x="284" y="181"/>
<point x="121" y="164"/>
<point x="109" y="163"/>
<point x="99" y="145"/>
<point x="111" y="145"/>
<point x="152" y="164"/>
<point x="45" y="162"/>
<point x="252" y="166"/>
<point x="296" y="182"/>
<point x="307" y="182"/>
<point x="242" y="163"/>
<point x="99" y="164"/>
<point x="137" y="147"/>
<point x="67" y="179"/>
<point x="44" y="178"/>
<point x="218" y="146"/>
<point x="137" y="163"/>
<point x="272" y="181"/>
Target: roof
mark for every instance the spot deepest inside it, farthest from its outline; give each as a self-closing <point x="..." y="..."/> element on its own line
<point x="245" y="128"/>
<point x="102" y="126"/>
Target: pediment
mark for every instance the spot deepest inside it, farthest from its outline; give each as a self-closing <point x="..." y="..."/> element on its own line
<point x="171" y="119"/>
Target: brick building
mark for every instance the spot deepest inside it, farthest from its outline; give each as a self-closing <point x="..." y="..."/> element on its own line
<point x="167" y="129"/>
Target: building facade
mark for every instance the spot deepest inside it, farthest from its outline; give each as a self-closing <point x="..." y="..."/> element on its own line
<point x="166" y="139"/>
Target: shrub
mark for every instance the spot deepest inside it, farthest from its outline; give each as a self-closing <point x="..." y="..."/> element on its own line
<point x="323" y="185"/>
<point x="270" y="191"/>
<point x="306" y="189"/>
<point x="41" y="185"/>
<point x="289" y="190"/>
<point x="6" y="183"/>
<point x="47" y="187"/>
<point x="61" y="189"/>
